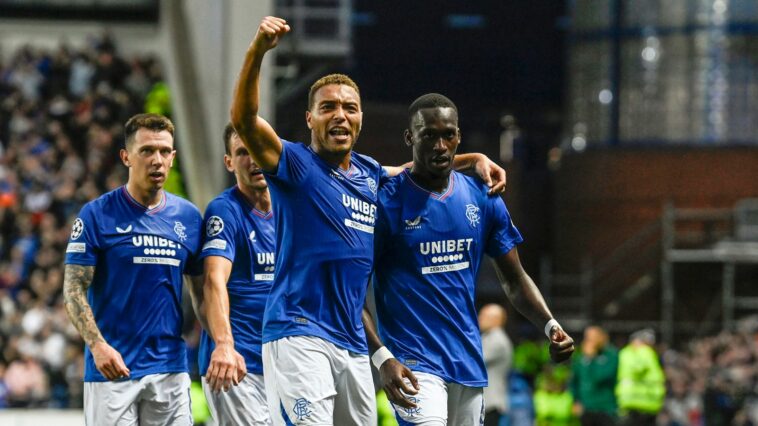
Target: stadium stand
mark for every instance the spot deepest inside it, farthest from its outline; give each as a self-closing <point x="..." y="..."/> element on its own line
<point x="61" y="119"/>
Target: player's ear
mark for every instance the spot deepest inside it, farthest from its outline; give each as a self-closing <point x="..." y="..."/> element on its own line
<point x="228" y="163"/>
<point x="124" y="154"/>
<point x="408" y="137"/>
<point x="173" y="155"/>
<point x="308" y="119"/>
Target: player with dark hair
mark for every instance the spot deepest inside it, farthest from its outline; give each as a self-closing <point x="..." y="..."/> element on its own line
<point x="434" y="226"/>
<point x="316" y="366"/>
<point x="122" y="287"/>
<point x="238" y="257"/>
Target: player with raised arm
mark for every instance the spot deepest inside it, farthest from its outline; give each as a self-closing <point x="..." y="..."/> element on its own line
<point x="315" y="357"/>
<point x="122" y="287"/>
<point x="238" y="258"/>
<point x="434" y="226"/>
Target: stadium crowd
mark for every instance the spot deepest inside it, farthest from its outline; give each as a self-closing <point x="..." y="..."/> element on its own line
<point x="61" y="117"/>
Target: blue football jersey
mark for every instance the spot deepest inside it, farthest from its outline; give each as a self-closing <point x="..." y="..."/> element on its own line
<point x="139" y="256"/>
<point x="429" y="248"/>
<point x="239" y="232"/>
<point x="325" y="221"/>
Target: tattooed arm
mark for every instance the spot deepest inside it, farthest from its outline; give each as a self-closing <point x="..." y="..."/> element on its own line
<point x="76" y="280"/>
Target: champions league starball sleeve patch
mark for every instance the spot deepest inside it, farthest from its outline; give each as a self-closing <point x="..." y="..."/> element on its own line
<point x="77" y="228"/>
<point x="214" y="226"/>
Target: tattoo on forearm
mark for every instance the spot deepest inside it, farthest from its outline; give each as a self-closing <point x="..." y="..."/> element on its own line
<point x="76" y="280"/>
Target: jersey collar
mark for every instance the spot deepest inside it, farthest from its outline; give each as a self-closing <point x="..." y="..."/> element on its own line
<point x="136" y="204"/>
<point x="346" y="173"/>
<point x="261" y="214"/>
<point x="436" y="195"/>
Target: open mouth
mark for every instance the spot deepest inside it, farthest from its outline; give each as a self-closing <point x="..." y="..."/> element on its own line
<point x="256" y="172"/>
<point x="156" y="176"/>
<point x="339" y="132"/>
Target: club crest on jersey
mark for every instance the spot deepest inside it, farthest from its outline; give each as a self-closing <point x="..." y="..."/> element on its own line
<point x="371" y="185"/>
<point x="214" y="226"/>
<point x="77" y="228"/>
<point x="472" y="214"/>
<point x="413" y="223"/>
<point x="301" y="409"/>
<point x="179" y="229"/>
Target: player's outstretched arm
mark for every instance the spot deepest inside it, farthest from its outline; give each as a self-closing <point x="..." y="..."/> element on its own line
<point x="76" y="280"/>
<point x="257" y="134"/>
<point x="391" y="372"/>
<point x="227" y="366"/>
<point x="527" y="299"/>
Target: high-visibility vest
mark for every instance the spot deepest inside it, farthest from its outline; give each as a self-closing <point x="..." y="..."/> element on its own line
<point x="641" y="383"/>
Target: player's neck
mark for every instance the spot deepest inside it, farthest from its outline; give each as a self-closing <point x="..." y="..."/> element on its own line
<point x="336" y="159"/>
<point x="260" y="199"/>
<point x="148" y="199"/>
<point x="428" y="181"/>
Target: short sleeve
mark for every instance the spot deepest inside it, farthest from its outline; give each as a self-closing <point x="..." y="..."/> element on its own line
<point x="219" y="231"/>
<point x="83" y="243"/>
<point x="383" y="176"/>
<point x="294" y="163"/>
<point x="503" y="235"/>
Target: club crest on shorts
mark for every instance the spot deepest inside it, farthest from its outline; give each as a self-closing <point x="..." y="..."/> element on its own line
<point x="472" y="214"/>
<point x="179" y="229"/>
<point x="77" y="228"/>
<point x="301" y="409"/>
<point x="371" y="185"/>
<point x="413" y="411"/>
<point x="214" y="226"/>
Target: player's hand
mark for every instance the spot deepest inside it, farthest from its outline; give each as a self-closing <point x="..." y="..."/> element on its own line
<point x="108" y="361"/>
<point x="561" y="345"/>
<point x="269" y="33"/>
<point x="393" y="375"/>
<point x="226" y="368"/>
<point x="491" y="173"/>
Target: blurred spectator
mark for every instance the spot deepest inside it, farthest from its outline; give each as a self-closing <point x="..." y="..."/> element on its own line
<point x="498" y="357"/>
<point x="521" y="406"/>
<point x="3" y="387"/>
<point x="61" y="115"/>
<point x="553" y="403"/>
<point x="640" y="389"/>
<point x="593" y="379"/>
<point x="27" y="383"/>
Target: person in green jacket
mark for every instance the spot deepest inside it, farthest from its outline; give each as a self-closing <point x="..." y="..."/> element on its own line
<point x="641" y="383"/>
<point x="594" y="379"/>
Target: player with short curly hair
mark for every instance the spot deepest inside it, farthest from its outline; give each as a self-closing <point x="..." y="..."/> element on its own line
<point x="434" y="227"/>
